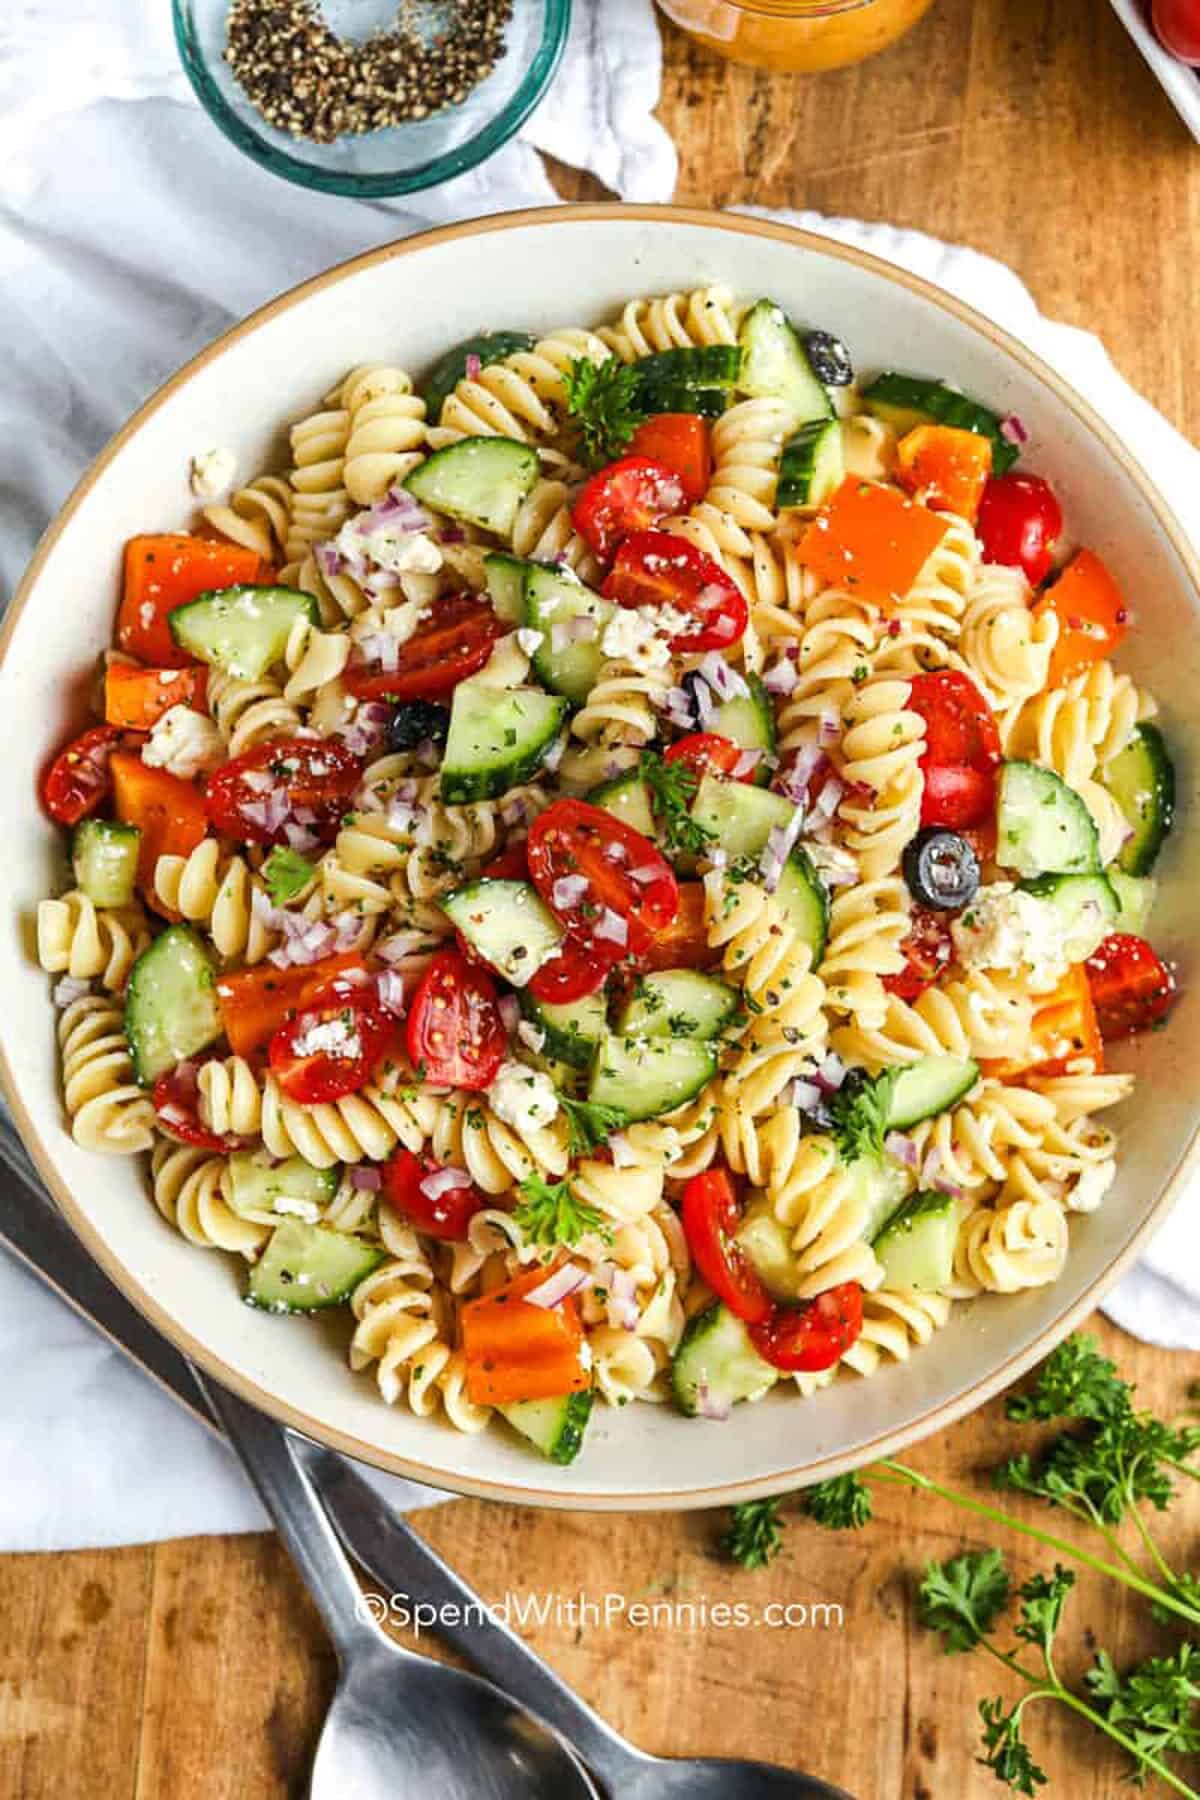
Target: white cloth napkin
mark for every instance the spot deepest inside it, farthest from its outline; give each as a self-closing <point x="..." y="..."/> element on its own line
<point x="131" y="233"/>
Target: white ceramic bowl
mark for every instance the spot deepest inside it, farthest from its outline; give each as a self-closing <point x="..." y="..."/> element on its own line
<point x="406" y="304"/>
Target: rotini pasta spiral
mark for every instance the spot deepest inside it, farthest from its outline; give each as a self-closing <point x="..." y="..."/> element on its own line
<point x="77" y="938"/>
<point x="212" y="888"/>
<point x="1075" y="728"/>
<point x="108" y="1110"/>
<point x="980" y="1015"/>
<point x="314" y="659"/>
<point x="523" y="396"/>
<point x="191" y="1191"/>
<point x="466" y="1133"/>
<point x="707" y="315"/>
<point x="867" y="925"/>
<point x="256" y="516"/>
<point x="386" y="430"/>
<point x="896" y="1321"/>
<point x="249" y="712"/>
<point x="746" y="442"/>
<point x="1002" y="1251"/>
<point x="544" y="531"/>
<point x="1007" y="649"/>
<point x="881" y="751"/>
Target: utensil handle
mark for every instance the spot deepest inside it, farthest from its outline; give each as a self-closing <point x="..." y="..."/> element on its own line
<point x="286" y="1490"/>
<point x="402" y="1563"/>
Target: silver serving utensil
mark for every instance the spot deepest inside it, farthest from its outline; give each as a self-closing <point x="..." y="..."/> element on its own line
<point x="398" y="1561"/>
<point x="399" y="1725"/>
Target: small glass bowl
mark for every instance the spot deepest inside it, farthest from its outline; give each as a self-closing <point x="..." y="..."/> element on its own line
<point x="403" y="158"/>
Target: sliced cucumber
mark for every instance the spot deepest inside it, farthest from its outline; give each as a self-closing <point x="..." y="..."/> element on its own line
<point x="881" y="1184"/>
<point x="678" y="1003"/>
<point x="450" y="369"/>
<point x="666" y="396"/>
<point x="497" y="738"/>
<point x="767" y="1244"/>
<point x="916" y="1246"/>
<point x="171" y="1008"/>
<point x="742" y="819"/>
<point x="716" y="1365"/>
<point x="1135" y="900"/>
<point x="905" y="401"/>
<point x="505" y="577"/>
<point x="1086" y="910"/>
<point x="553" y="599"/>
<point x="928" y="1087"/>
<point x="693" y="366"/>
<point x="572" y="1030"/>
<point x="1141" y="779"/>
<point x="644" y="1077"/>
<point x="555" y="1427"/>
<point x="293" y="1186"/>
<point x="627" y="797"/>
<point x="242" y="630"/>
<point x="775" y="365"/>
<point x="812" y="466"/>
<point x="748" y="720"/>
<point x="482" y="480"/>
<point x="306" y="1268"/>
<point x="104" y="856"/>
<point x="1042" y="826"/>
<point x="507" y="924"/>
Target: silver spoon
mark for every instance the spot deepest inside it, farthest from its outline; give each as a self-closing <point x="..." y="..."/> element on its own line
<point x="400" y="1727"/>
<point x="400" y="1562"/>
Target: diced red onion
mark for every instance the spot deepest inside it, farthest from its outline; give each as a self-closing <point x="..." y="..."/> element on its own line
<point x="366" y="1178"/>
<point x="706" y="1406"/>
<point x="452" y="534"/>
<point x="557" y="1287"/>
<point x="706" y="706"/>
<point x="746" y="764"/>
<point x="70" y="989"/>
<point x="678" y="708"/>
<point x="472" y="364"/>
<point x="582" y="629"/>
<point x="258" y="781"/>
<point x="648" y="872"/>
<point x="509" y="1008"/>
<point x="300" y="838"/>
<point x="781" y="677"/>
<point x="444" y="1181"/>
<point x="390" y="986"/>
<point x="806" y="1095"/>
<point x="1013" y="431"/>
<point x="404" y="815"/>
<point x="780" y="842"/>
<point x="829" y="730"/>
<point x="620" y="1285"/>
<point x="827" y="801"/>
<point x="568" y="891"/>
<point x="555" y="754"/>
<point x="382" y="648"/>
<point x="348" y="926"/>
<point x="830" y="1072"/>
<point x="307" y="946"/>
<point x="611" y="928"/>
<point x="722" y="677"/>
<point x="897" y="1144"/>
<point x="795" y="781"/>
<point x="397" y="508"/>
<point x="330" y="560"/>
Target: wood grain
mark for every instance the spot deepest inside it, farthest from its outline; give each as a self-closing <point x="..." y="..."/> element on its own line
<point x="1027" y="128"/>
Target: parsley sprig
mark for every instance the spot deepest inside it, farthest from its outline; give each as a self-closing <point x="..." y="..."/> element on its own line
<point x="1111" y="1463"/>
<point x="287" y="874"/>
<point x="551" y="1214"/>
<point x="589" y="1123"/>
<point x="672" y="787"/>
<point x="859" y="1111"/>
<point x="603" y="398"/>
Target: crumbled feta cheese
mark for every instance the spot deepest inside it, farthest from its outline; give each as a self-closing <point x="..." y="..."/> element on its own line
<point x="308" y="1210"/>
<point x="329" y="1037"/>
<point x="402" y="552"/>
<point x="1005" y="928"/>
<point x="184" y="743"/>
<point x="1091" y="1187"/>
<point x="832" y="863"/>
<point x="212" y="473"/>
<point x="524" y="1098"/>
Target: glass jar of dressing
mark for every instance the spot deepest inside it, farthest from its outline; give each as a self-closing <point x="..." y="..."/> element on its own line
<point x="805" y="35"/>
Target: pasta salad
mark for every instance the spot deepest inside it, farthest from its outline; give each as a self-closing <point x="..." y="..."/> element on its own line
<point x="616" y="868"/>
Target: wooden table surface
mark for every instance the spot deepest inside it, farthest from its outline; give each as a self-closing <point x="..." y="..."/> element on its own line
<point x="1027" y="128"/>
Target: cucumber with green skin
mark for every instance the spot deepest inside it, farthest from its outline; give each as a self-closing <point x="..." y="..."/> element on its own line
<point x="555" y="1427"/>
<point x="505" y="578"/>
<point x="644" y="1077"/>
<point x="507" y="924"/>
<point x="929" y="1086"/>
<point x="1135" y="900"/>
<point x="1141" y="779"/>
<point x="812" y="465"/>
<point x="916" y="1245"/>
<point x="257" y="1187"/>
<point x="1086" y="909"/>
<point x="572" y="1030"/>
<point x="104" y="856"/>
<point x="242" y="630"/>
<point x="906" y="401"/>
<point x="307" y="1268"/>
<point x="1042" y="826"/>
<point x="767" y="1246"/>
<point x="555" y="599"/>
<point x="627" y="798"/>
<point x="481" y="480"/>
<point x="446" y="373"/>
<point x="678" y="1003"/>
<point x="498" y="738"/>
<point x="741" y="819"/>
<point x="674" y="397"/>
<point x="775" y="364"/>
<point x="171" y="1009"/>
<point x="691" y="366"/>
<point x="748" y="720"/>
<point x="716" y="1365"/>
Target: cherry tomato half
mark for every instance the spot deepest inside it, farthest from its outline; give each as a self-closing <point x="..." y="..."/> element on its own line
<point x="655" y="568"/>
<point x="1177" y="23"/>
<point x="710" y="1217"/>
<point x="1019" y="523"/>
<point x="330" y="1048"/>
<point x="623" y="498"/>
<point x="455" y="643"/>
<point x="305" y="782"/>
<point x="1131" y="987"/>
<point x="508" y="866"/>
<point x="177" y="1103"/>
<point x="962" y="750"/>
<point x="684" y="943"/>
<point x="623" y="871"/>
<point x="79" y="779"/>
<point x="928" y="951"/>
<point x="447" y="1213"/>
<point x="578" y="968"/>
<point x="455" y="1033"/>
<point x="707" y="753"/>
<point x="815" y="1335"/>
<point x="682" y="442"/>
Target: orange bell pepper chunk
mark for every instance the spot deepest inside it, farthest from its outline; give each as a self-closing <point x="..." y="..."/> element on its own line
<point x="168" y="811"/>
<point x="167" y="570"/>
<point x="683" y="944"/>
<point x="872" y="541"/>
<point x="1065" y="1032"/>
<point x="254" y="1003"/>
<point x="135" y="698"/>
<point x="515" y="1351"/>
<point x="945" y="468"/>
<point x="1091" y="613"/>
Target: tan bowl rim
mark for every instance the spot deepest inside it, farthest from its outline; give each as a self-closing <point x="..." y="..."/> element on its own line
<point x="584" y="1499"/>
